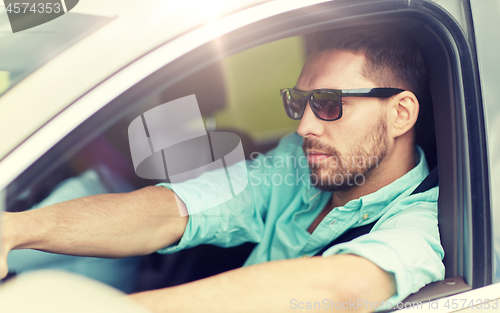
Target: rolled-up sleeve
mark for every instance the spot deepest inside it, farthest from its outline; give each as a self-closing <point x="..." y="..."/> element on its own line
<point x="404" y="242"/>
<point x="230" y="222"/>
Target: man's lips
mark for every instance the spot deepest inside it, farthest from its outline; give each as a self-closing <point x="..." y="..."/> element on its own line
<point x="316" y="156"/>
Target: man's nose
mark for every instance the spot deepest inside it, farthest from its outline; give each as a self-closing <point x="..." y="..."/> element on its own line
<point x="310" y="125"/>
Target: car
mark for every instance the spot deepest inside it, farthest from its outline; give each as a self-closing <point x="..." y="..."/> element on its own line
<point x="71" y="87"/>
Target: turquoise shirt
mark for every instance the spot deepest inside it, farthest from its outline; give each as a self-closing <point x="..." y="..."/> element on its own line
<point x="279" y="204"/>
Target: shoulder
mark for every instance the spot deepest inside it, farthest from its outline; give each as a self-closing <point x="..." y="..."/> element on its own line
<point x="414" y="211"/>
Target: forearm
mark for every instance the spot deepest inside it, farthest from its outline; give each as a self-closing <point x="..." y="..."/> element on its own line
<point x="108" y="225"/>
<point x="278" y="286"/>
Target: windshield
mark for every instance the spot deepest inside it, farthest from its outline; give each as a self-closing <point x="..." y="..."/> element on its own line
<point x="24" y="52"/>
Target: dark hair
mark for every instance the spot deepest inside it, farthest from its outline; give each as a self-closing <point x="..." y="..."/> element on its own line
<point x="393" y="59"/>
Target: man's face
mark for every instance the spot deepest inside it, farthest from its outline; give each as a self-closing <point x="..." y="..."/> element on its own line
<point x="344" y="153"/>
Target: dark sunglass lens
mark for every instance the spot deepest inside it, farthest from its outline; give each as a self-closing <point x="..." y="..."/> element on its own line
<point x="326" y="105"/>
<point x="294" y="104"/>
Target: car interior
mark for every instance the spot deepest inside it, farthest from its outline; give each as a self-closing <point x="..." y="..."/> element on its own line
<point x="236" y="80"/>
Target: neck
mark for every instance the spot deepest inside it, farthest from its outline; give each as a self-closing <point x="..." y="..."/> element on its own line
<point x="397" y="163"/>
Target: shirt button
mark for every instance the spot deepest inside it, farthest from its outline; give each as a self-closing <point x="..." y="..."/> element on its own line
<point x="332" y="222"/>
<point x="366" y="216"/>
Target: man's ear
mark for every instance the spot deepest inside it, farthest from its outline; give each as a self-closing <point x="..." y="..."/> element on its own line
<point x="403" y="113"/>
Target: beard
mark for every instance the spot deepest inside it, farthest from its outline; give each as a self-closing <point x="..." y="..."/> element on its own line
<point x="343" y="171"/>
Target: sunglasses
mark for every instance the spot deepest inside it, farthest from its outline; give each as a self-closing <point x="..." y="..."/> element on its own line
<point x="326" y="104"/>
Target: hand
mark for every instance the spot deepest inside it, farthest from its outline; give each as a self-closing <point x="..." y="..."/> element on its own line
<point x="3" y="263"/>
<point x="4" y="247"/>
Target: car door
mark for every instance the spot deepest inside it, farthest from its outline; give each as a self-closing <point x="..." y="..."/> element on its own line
<point x="444" y="31"/>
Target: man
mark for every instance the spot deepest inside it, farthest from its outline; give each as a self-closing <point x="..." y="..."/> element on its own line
<point x="362" y="164"/>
